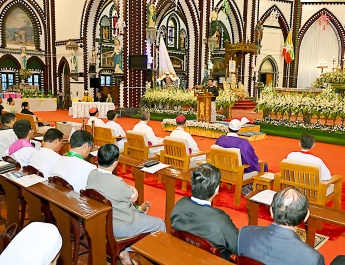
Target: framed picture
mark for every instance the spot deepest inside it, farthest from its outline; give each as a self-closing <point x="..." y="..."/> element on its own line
<point x="232" y="66"/>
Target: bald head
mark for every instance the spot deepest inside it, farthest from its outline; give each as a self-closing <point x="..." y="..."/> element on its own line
<point x="289" y="207"/>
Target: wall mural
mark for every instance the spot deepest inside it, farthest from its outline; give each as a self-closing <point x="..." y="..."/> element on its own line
<point x="19" y="29"/>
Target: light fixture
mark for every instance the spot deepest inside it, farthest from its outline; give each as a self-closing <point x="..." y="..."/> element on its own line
<point x="151" y="34"/>
<point x="71" y="45"/>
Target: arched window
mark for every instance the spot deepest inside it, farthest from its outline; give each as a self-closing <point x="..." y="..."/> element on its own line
<point x="105" y="28"/>
<point x="7" y="80"/>
<point x="172" y="32"/>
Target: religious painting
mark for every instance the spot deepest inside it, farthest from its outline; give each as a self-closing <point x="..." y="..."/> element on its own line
<point x="107" y="56"/>
<point x="218" y="65"/>
<point x="171" y="33"/>
<point x="19" y="29"/>
<point x="232" y="66"/>
<point x="105" y="28"/>
<point x="177" y="63"/>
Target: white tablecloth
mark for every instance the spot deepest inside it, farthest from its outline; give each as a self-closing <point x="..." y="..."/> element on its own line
<point x="36" y="104"/>
<point x="81" y="109"/>
<point x="66" y="128"/>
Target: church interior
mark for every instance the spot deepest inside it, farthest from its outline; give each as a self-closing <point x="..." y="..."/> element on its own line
<point x="279" y="63"/>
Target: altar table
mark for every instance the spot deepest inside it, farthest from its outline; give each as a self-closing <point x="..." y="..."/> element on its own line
<point x="36" y="104"/>
<point x="81" y="109"/>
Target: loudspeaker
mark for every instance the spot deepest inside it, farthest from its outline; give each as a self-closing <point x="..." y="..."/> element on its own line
<point x="137" y="62"/>
<point x="148" y="75"/>
<point x="94" y="82"/>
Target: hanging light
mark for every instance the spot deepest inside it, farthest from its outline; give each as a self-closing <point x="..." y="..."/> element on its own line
<point x="71" y="45"/>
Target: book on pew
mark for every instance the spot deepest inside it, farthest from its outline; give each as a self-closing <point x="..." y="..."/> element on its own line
<point x="6" y="166"/>
<point x="264" y="197"/>
<point x="24" y="180"/>
<point x="155" y="168"/>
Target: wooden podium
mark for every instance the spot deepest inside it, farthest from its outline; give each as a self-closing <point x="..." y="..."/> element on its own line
<point x="204" y="106"/>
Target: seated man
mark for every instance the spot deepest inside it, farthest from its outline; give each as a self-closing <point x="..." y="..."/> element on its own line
<point x="45" y="158"/>
<point x="26" y="110"/>
<point x="306" y="143"/>
<point x="72" y="166"/>
<point x="7" y="135"/>
<point x="127" y="220"/>
<point x="142" y="126"/>
<point x="180" y="133"/>
<point x="248" y="156"/>
<point x="22" y="149"/>
<point x="86" y="97"/>
<point x="94" y="113"/>
<point x="279" y="243"/>
<point x="99" y="97"/>
<point x="196" y="215"/>
<point x="116" y="128"/>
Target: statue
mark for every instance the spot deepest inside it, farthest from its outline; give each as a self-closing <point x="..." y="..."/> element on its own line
<point x="105" y="33"/>
<point x="93" y="56"/>
<point x="214" y="15"/>
<point x="233" y="82"/>
<point x="117" y="53"/>
<point x="74" y="63"/>
<point x="23" y="58"/>
<point x="182" y="39"/>
<point x="206" y="76"/>
<point x="259" y="28"/>
<point x="151" y="17"/>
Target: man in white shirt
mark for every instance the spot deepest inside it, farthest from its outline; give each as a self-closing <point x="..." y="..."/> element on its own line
<point x="306" y="143"/>
<point x="45" y="158"/>
<point x="142" y="126"/>
<point x="7" y="135"/>
<point x="72" y="166"/>
<point x="94" y="113"/>
<point x="179" y="132"/>
<point x="117" y="129"/>
<point x="22" y="149"/>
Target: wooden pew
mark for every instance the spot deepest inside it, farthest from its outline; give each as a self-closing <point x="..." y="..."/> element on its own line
<point x="318" y="215"/>
<point x="63" y="203"/>
<point x="162" y="248"/>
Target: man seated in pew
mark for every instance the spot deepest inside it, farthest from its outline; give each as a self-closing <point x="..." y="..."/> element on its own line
<point x="45" y="158"/>
<point x="196" y="215"/>
<point x="279" y="243"/>
<point x="7" y="135"/>
<point x="22" y="149"/>
<point x="127" y="220"/>
<point x="94" y="113"/>
<point x="248" y="156"/>
<point x="72" y="166"/>
<point x="179" y="132"/>
<point x="142" y="126"/>
<point x="306" y="143"/>
<point x="38" y="243"/>
<point x="116" y="128"/>
<point x="26" y="110"/>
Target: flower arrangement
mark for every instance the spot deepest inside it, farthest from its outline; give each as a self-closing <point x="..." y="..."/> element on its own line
<point x="179" y="97"/>
<point x="24" y="73"/>
<point x="337" y="77"/>
<point x="327" y="103"/>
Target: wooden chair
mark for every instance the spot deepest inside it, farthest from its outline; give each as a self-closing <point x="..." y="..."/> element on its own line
<point x="11" y="160"/>
<point x="306" y="178"/>
<point x="101" y="135"/>
<point x="229" y="162"/>
<point x="34" y="122"/>
<point x="137" y="146"/>
<point x="177" y="155"/>
<point x="195" y="241"/>
<point x="114" y="245"/>
<point x="7" y="236"/>
<point x="243" y="260"/>
<point x="76" y="226"/>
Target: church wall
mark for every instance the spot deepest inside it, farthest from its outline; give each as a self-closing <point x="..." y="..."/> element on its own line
<point x="310" y="10"/>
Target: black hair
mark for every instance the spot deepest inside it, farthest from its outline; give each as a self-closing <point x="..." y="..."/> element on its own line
<point x="25" y="105"/>
<point x="181" y="123"/>
<point x="307" y="141"/>
<point x="9" y="100"/>
<point x="289" y="207"/>
<point x="107" y="155"/>
<point x="22" y="128"/>
<point x="7" y="117"/>
<point x="81" y="137"/>
<point x="111" y="114"/>
<point x="52" y="134"/>
<point x="204" y="180"/>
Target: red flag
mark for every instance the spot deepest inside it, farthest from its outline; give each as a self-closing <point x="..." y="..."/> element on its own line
<point x="288" y="51"/>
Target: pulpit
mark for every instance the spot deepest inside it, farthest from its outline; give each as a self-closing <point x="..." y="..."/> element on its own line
<point x="204" y="106"/>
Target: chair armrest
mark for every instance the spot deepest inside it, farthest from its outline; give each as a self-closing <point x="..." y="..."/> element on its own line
<point x="333" y="180"/>
<point x="199" y="153"/>
<point x="157" y="145"/>
<point x="262" y="166"/>
<point x="120" y="137"/>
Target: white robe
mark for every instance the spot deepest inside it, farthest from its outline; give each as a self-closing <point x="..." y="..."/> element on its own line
<point x="98" y="122"/>
<point x="7" y="137"/>
<point x="43" y="160"/>
<point x="191" y="143"/>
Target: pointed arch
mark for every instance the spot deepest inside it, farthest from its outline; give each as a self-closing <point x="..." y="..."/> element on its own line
<point x="281" y="19"/>
<point x="275" y="69"/>
<point x="63" y="76"/>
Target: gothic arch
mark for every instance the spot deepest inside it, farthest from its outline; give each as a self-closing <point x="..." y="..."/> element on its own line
<point x="281" y="19"/>
<point x="12" y="58"/>
<point x="275" y="69"/>
<point x="61" y="74"/>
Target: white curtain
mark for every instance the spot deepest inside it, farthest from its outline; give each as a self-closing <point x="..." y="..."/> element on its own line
<point x="317" y="45"/>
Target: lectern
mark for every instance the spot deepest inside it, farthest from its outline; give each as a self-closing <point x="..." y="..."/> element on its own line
<point x="204" y="106"/>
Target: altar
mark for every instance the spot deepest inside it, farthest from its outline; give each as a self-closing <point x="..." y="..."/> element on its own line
<point x="81" y="109"/>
